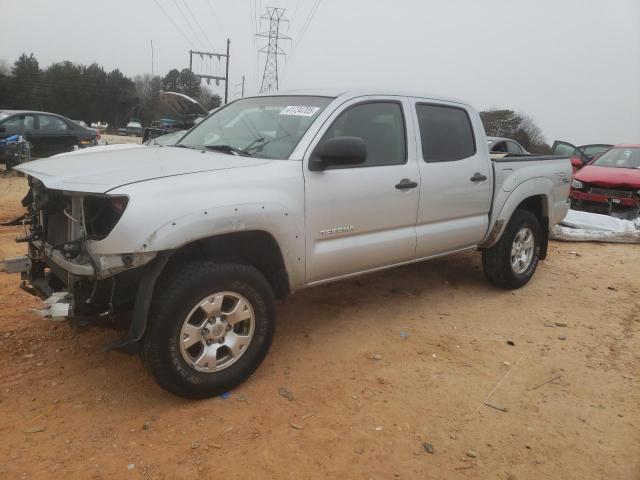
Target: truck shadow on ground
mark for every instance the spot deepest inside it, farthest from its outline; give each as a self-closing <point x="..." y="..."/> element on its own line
<point x="329" y="306"/>
<point x="372" y="301"/>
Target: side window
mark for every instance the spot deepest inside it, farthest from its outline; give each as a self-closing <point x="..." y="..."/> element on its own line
<point x="500" y="147"/>
<point x="52" y="124"/>
<point x="445" y="133"/>
<point x="380" y="125"/>
<point x="19" y="123"/>
<point x="513" y="147"/>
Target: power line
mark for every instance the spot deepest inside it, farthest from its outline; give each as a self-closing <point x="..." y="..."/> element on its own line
<point x="198" y="24"/>
<point x="305" y="26"/>
<point x="174" y="24"/>
<point x="215" y="17"/>
<point x="189" y="26"/>
<point x="295" y="11"/>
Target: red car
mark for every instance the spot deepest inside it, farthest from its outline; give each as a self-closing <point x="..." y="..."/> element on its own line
<point x="609" y="184"/>
<point x="581" y="155"/>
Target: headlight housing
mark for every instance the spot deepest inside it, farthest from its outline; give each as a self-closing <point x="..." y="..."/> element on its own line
<point x="577" y="184"/>
<point x="102" y="212"/>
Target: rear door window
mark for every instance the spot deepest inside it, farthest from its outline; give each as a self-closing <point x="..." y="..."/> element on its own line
<point x="445" y="132"/>
<point x="500" y="147"/>
<point x="513" y="147"/>
<point x="52" y="124"/>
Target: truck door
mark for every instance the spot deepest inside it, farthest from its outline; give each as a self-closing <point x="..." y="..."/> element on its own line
<point x="363" y="217"/>
<point x="456" y="179"/>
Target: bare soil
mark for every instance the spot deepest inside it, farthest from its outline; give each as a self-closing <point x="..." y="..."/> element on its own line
<point x="378" y="367"/>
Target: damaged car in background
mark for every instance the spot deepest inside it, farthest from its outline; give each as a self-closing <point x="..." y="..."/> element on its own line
<point x="191" y="244"/>
<point x="610" y="184"/>
<point x="169" y="131"/>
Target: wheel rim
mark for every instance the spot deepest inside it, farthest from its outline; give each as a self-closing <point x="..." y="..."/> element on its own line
<point x="522" y="250"/>
<point x="217" y="332"/>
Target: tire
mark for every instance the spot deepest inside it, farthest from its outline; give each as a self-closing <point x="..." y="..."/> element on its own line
<point x="497" y="260"/>
<point x="177" y="307"/>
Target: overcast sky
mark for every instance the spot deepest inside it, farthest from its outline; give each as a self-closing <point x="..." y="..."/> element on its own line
<point x="572" y="65"/>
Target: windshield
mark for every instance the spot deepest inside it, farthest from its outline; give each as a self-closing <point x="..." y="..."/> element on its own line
<point x="619" y="158"/>
<point x="267" y="127"/>
<point x="595" y="150"/>
<point x="3" y="115"/>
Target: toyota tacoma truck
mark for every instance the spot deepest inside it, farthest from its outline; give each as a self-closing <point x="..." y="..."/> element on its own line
<point x="192" y="244"/>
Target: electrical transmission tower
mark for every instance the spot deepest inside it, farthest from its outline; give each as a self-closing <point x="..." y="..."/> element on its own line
<point x="274" y="16"/>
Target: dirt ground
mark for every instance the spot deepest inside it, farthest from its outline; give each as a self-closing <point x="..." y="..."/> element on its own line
<point x="377" y="366"/>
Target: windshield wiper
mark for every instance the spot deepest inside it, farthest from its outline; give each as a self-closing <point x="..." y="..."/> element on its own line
<point x="262" y="143"/>
<point x="259" y="139"/>
<point x="228" y="149"/>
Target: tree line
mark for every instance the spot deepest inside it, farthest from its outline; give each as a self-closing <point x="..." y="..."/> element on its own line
<point x="89" y="93"/>
<point x="517" y="126"/>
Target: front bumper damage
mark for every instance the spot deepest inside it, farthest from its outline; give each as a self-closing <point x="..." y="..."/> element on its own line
<point x="618" y="203"/>
<point x="73" y="282"/>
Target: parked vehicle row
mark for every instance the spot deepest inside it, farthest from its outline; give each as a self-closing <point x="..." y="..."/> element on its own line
<point x="266" y="196"/>
<point x="47" y="133"/>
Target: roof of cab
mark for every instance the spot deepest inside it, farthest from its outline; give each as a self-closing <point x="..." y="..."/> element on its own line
<point x="335" y="92"/>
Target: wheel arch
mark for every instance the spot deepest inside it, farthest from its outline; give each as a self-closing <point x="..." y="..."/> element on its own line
<point x="257" y="248"/>
<point x="535" y="196"/>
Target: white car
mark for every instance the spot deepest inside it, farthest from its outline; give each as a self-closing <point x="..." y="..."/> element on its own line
<point x="505" y="145"/>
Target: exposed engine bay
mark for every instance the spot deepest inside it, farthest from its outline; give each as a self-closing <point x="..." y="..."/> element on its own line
<point x="60" y="267"/>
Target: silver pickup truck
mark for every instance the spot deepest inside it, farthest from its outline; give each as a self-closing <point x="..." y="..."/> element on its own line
<point x="192" y="243"/>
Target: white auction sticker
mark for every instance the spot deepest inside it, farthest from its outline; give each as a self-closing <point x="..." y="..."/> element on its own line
<point x="300" y="110"/>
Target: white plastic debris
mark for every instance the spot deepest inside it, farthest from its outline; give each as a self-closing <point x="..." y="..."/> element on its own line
<point x="593" y="227"/>
<point x="55" y="307"/>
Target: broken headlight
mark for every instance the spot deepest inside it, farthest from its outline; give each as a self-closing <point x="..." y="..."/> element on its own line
<point x="102" y="213"/>
<point x="577" y="184"/>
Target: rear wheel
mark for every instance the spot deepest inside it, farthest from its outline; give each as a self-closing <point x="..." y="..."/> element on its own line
<point x="512" y="261"/>
<point x="210" y="326"/>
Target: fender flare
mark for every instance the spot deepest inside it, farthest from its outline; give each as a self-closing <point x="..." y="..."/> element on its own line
<point x="534" y="187"/>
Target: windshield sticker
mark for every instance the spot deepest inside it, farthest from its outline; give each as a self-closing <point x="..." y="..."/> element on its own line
<point x="299" y="110"/>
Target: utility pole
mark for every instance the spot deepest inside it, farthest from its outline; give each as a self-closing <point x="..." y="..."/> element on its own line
<point x="243" y="86"/>
<point x="152" y="58"/>
<point x="226" y="75"/>
<point x="274" y="16"/>
<point x="217" y="79"/>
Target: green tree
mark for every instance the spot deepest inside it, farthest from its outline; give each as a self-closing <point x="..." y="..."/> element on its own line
<point x="170" y="81"/>
<point x="208" y="99"/>
<point x="188" y="83"/>
<point x="517" y="126"/>
<point x="25" y="88"/>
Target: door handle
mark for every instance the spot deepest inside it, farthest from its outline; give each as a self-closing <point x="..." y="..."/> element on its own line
<point x="478" y="177"/>
<point x="405" y="184"/>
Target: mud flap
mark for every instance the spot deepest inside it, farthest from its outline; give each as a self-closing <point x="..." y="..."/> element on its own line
<point x="129" y="343"/>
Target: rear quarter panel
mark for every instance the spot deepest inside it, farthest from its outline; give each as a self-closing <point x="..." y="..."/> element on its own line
<point x="516" y="180"/>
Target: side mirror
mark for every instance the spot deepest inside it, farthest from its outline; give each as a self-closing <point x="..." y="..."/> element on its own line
<point x="338" y="151"/>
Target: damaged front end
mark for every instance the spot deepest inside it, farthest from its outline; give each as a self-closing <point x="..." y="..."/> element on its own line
<point x="60" y="267"/>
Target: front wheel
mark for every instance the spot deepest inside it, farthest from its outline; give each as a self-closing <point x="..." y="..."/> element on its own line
<point x="512" y="261"/>
<point x="210" y="326"/>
